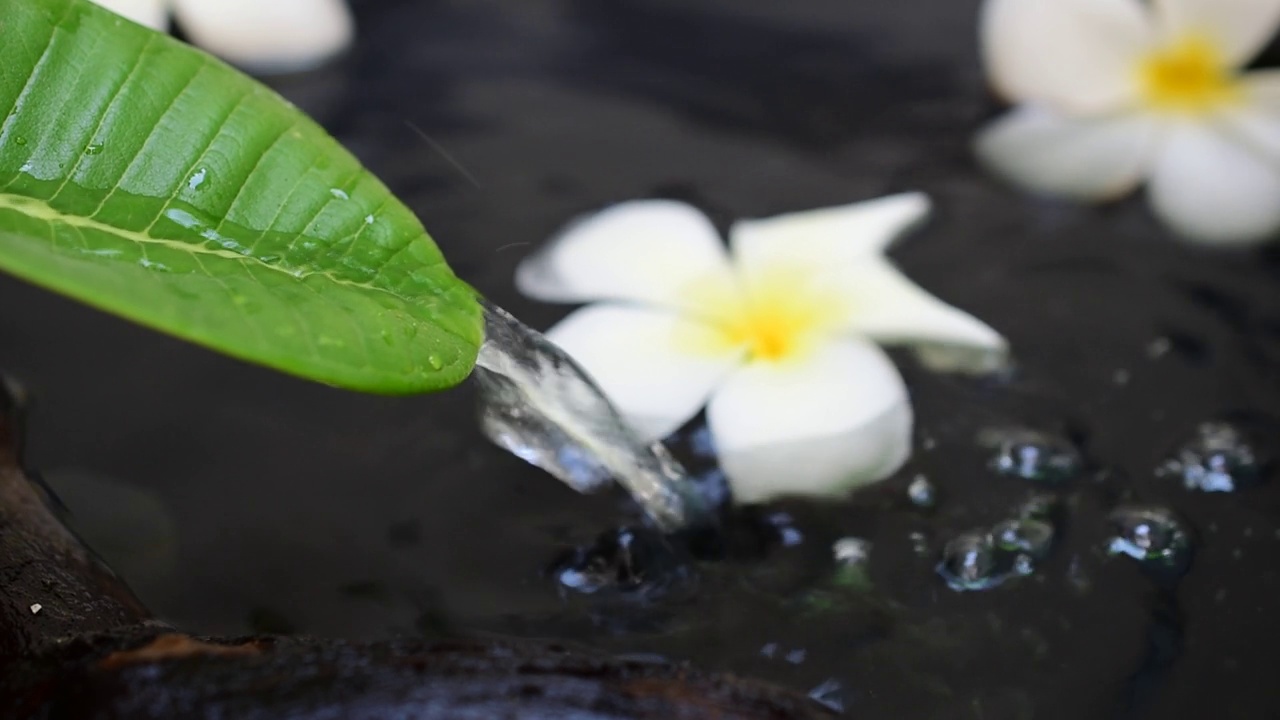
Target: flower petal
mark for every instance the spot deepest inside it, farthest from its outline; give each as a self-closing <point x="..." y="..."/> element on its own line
<point x="152" y="13"/>
<point x="656" y="367"/>
<point x="1076" y="55"/>
<point x="818" y="425"/>
<point x="1240" y="27"/>
<point x="828" y="236"/>
<point x="1214" y="189"/>
<point x="1257" y="121"/>
<point x="651" y="251"/>
<point x="1091" y="159"/>
<point x="891" y="309"/>
<point x="268" y="35"/>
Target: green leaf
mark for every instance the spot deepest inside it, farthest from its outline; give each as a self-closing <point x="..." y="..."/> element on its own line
<point x="144" y="177"/>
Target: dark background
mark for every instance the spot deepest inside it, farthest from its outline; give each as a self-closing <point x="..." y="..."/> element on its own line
<point x="235" y="498"/>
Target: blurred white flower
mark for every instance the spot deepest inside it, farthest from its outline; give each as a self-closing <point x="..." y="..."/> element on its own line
<point x="261" y="35"/>
<point x="777" y="334"/>
<point x="1117" y="91"/>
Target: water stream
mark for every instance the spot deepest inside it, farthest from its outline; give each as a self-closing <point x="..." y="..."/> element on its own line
<point x="536" y="402"/>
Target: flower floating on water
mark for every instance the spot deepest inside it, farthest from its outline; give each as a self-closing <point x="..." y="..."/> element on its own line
<point x="777" y="336"/>
<point x="1117" y="91"/>
<point x="264" y="35"/>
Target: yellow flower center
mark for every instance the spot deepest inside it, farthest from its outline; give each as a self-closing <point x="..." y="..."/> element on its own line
<point x="1189" y="76"/>
<point x="776" y="316"/>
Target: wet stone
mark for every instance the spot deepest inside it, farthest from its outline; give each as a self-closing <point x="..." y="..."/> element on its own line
<point x="626" y="560"/>
<point x="1220" y="457"/>
<point x="1033" y="455"/>
<point x="1152" y="535"/>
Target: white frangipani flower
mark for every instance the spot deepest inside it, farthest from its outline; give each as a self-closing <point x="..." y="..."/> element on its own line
<point x="262" y="35"/>
<point x="1117" y="91"/>
<point x="777" y="334"/>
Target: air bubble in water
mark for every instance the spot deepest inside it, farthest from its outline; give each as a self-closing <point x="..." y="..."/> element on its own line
<point x="1033" y="455"/>
<point x="1219" y="458"/>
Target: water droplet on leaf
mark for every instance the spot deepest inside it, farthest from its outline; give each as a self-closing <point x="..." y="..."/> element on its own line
<point x="435" y="362"/>
<point x="197" y="179"/>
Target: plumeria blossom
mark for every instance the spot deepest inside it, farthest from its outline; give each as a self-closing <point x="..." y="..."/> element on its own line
<point x="262" y="35"/>
<point x="1113" y="92"/>
<point x="776" y="335"/>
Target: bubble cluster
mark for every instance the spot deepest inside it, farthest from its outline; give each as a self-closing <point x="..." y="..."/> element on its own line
<point x="1033" y="455"/>
<point x="1218" y="458"/>
<point x="984" y="558"/>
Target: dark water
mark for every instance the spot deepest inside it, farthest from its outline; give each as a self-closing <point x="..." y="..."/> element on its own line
<point x="297" y="507"/>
